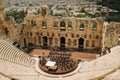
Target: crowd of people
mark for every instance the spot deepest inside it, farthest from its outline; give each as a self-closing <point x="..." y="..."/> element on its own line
<point x="63" y="60"/>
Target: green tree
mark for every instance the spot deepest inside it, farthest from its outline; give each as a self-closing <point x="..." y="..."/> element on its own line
<point x="113" y="4"/>
<point x="18" y="16"/>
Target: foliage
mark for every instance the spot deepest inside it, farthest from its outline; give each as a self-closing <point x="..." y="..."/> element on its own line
<point x="80" y="16"/>
<point x="115" y="17"/>
<point x="43" y="12"/>
<point x="81" y="25"/>
<point x="113" y="4"/>
<point x="37" y="12"/>
<point x="69" y="24"/>
<point x="18" y="16"/>
<point x="55" y="24"/>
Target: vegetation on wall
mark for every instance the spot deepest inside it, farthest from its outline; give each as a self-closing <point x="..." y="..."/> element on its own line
<point x="43" y="12"/>
<point x="18" y="16"/>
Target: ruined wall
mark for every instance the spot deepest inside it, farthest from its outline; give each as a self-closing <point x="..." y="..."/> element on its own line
<point x="112" y="34"/>
<point x="44" y="30"/>
<point x="74" y="30"/>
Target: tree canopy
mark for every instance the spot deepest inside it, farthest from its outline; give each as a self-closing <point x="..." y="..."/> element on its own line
<point x="113" y="4"/>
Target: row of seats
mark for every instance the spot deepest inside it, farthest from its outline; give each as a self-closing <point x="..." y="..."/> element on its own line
<point x="114" y="48"/>
<point x="105" y="63"/>
<point x="12" y="54"/>
<point x="18" y="72"/>
<point x="113" y="76"/>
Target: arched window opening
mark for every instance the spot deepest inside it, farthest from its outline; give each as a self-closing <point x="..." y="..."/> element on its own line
<point x="59" y="34"/>
<point x="69" y="25"/>
<point x="75" y="42"/>
<point x="45" y="42"/>
<point x="77" y="35"/>
<point x="93" y="43"/>
<point x="33" y="23"/>
<point x="94" y="26"/>
<point x="97" y="37"/>
<point x="87" y="43"/>
<point x="62" y="26"/>
<point x="66" y="35"/>
<point x="44" y="25"/>
<point x="72" y="35"/>
<point x="69" y="42"/>
<point x="52" y="34"/>
<point x="56" y="41"/>
<point x="55" y="24"/>
<point x="82" y="26"/>
<point x="50" y="41"/>
<point x="43" y="12"/>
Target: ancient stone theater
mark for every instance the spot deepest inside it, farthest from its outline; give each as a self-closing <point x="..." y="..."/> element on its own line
<point x="62" y="47"/>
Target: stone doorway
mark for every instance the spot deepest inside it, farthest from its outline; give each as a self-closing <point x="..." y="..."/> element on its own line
<point x="45" y="42"/>
<point x="62" y="43"/>
<point x="81" y="44"/>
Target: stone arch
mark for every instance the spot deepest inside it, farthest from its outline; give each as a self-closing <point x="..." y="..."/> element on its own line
<point x="80" y="43"/>
<point x="75" y="42"/>
<point x="50" y="41"/>
<point x="69" y="24"/>
<point x="87" y="43"/>
<point x="44" y="24"/>
<point x="69" y="42"/>
<point x="56" y="41"/>
<point x="93" y="43"/>
<point x="55" y="24"/>
<point x="63" y="25"/>
<point x="82" y="26"/>
<point x="45" y="42"/>
<point x="94" y="25"/>
<point x="45" y="10"/>
<point x="62" y="42"/>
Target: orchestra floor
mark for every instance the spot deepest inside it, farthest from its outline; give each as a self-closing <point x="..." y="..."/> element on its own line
<point x="75" y="58"/>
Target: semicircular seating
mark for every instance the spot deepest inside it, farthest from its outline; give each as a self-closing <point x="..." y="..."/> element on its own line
<point x="19" y="65"/>
<point x="113" y="76"/>
<point x="12" y="54"/>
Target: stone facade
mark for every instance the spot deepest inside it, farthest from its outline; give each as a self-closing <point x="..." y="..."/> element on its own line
<point x="44" y="30"/>
<point x="58" y="31"/>
<point x="111" y="33"/>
